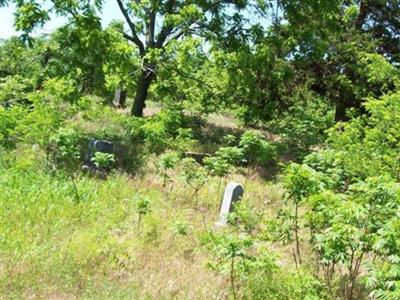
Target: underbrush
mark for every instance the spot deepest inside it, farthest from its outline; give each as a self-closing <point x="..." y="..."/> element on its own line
<point x="53" y="246"/>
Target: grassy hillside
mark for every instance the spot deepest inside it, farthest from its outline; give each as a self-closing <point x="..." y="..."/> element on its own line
<point x="55" y="247"/>
<point x="75" y="235"/>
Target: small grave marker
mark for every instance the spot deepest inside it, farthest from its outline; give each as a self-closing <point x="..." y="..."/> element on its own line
<point x="233" y="193"/>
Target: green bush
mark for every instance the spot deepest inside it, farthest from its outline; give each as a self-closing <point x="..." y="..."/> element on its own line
<point x="265" y="280"/>
<point x="64" y="148"/>
<point x="256" y="149"/>
<point x="349" y="196"/>
<point x="254" y="272"/>
<point x="9" y="119"/>
<point x="303" y="125"/>
<point x="165" y="163"/>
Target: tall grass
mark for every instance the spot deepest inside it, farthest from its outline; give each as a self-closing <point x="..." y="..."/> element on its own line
<point x="55" y="247"/>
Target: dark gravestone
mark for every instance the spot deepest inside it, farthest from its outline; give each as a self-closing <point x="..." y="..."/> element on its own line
<point x="198" y="157"/>
<point x="97" y="146"/>
<point x="233" y="193"/>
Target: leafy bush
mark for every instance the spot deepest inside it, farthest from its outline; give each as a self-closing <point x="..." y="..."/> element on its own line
<point x="8" y="123"/>
<point x="14" y="90"/>
<point x="232" y="155"/>
<point x="266" y="280"/>
<point x="256" y="149"/>
<point x="384" y="275"/>
<point x="350" y="196"/>
<point x="217" y="166"/>
<point x="166" y="129"/>
<point x="103" y="161"/>
<point x="303" y="126"/>
<point x="195" y="176"/>
<point x="142" y="208"/>
<point x="254" y="272"/>
<point x="245" y="216"/>
<point x="64" y="147"/>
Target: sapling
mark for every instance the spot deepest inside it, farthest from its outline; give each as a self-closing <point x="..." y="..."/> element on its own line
<point x="245" y="217"/>
<point x="195" y="176"/>
<point x="301" y="182"/>
<point x="64" y="152"/>
<point x="232" y="155"/>
<point x="229" y="139"/>
<point x="184" y="140"/>
<point x="217" y="166"/>
<point x="221" y="165"/>
<point x="142" y="208"/>
<point x="230" y="250"/>
<point x="166" y="162"/>
<point x="179" y="228"/>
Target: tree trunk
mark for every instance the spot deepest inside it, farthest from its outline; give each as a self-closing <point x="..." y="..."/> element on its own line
<point x="141" y="93"/>
<point x="124" y="95"/>
<point x="362" y="15"/>
<point x="341" y="109"/>
<point x="340" y="112"/>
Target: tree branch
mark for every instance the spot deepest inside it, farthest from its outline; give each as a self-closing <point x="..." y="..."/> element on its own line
<point x="176" y="36"/>
<point x="150" y="28"/>
<point x="134" y="38"/>
<point x="166" y="29"/>
<point x="68" y="9"/>
<point x="190" y="77"/>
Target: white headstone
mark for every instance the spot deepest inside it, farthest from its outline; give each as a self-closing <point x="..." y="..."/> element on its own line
<point x="117" y="98"/>
<point x="120" y="98"/>
<point x="233" y="193"/>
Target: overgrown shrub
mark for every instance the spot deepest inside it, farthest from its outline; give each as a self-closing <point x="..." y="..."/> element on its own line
<point x="304" y="124"/>
<point x="64" y="148"/>
<point x="254" y="273"/>
<point x="256" y="149"/>
<point x="350" y="197"/>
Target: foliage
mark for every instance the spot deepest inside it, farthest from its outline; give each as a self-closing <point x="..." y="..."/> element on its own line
<point x="64" y="147"/>
<point x="254" y="272"/>
<point x="304" y="124"/>
<point x="193" y="173"/>
<point x="103" y="161"/>
<point x="181" y="228"/>
<point x="224" y="160"/>
<point x="166" y="162"/>
<point x="217" y="166"/>
<point x="174" y="20"/>
<point x="8" y="122"/>
<point x="256" y="149"/>
<point x="347" y="205"/>
<point x="287" y="69"/>
<point x="167" y="130"/>
<point x="142" y="207"/>
<point x="384" y="275"/>
<point x="246" y="217"/>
